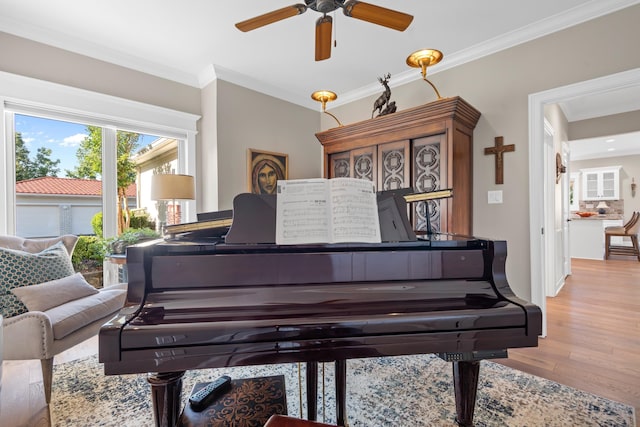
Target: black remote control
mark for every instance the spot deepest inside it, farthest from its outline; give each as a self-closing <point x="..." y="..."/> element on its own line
<point x="207" y="394"/>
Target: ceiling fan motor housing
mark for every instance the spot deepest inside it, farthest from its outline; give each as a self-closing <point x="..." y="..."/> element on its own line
<point x="324" y="6"/>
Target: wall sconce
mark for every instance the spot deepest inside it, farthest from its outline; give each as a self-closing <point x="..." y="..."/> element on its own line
<point x="633" y="187"/>
<point x="324" y="96"/>
<point x="425" y="58"/>
<point x="172" y="187"/>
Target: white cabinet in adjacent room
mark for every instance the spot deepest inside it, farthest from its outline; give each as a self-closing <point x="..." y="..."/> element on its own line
<point x="587" y="237"/>
<point x="601" y="183"/>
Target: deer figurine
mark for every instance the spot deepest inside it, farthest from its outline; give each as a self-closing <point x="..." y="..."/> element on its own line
<point x="384" y="98"/>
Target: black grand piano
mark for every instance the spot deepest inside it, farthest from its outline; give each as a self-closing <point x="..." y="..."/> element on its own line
<point x="198" y="303"/>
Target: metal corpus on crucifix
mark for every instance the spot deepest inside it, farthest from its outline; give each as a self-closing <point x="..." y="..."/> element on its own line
<point x="497" y="150"/>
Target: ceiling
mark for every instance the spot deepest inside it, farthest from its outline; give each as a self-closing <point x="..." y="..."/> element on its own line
<point x="627" y="144"/>
<point x="603" y="104"/>
<point x="196" y="41"/>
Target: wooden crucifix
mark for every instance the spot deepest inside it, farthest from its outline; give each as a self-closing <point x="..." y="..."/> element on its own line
<point x="497" y="150"/>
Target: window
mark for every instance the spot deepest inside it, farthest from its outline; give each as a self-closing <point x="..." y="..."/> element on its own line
<point x="25" y="97"/>
<point x="59" y="177"/>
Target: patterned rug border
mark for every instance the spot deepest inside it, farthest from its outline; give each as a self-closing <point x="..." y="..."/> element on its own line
<point x="83" y="395"/>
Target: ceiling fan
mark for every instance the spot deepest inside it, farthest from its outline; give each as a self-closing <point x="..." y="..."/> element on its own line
<point x="352" y="8"/>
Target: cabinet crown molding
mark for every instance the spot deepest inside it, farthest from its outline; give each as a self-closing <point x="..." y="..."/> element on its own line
<point x="403" y="122"/>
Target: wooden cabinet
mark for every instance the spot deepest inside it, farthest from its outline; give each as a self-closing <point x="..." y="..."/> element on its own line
<point x="429" y="147"/>
<point x="601" y="183"/>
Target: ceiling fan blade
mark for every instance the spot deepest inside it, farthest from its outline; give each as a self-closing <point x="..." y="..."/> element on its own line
<point x="271" y="17"/>
<point x="377" y="15"/>
<point x="323" y="38"/>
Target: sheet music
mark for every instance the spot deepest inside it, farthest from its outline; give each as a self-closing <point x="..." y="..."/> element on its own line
<point x="319" y="210"/>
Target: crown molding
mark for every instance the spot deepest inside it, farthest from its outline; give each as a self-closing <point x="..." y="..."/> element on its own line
<point x="262" y="87"/>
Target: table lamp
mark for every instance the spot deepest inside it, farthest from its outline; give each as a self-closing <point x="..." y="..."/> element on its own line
<point x="602" y="208"/>
<point x="172" y="187"/>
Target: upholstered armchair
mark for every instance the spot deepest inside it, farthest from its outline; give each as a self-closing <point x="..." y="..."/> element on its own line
<point x="48" y="308"/>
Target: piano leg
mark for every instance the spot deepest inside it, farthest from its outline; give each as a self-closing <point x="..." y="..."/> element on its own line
<point x="166" y="391"/>
<point x="312" y="391"/>
<point x="341" y="392"/>
<point x="465" y="386"/>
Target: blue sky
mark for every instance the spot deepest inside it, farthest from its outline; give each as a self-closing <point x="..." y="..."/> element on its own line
<point x="63" y="138"/>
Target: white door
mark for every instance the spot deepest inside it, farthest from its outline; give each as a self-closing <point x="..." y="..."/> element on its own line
<point x="566" y="212"/>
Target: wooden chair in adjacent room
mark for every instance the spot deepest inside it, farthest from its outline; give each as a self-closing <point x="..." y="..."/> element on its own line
<point x="630" y="230"/>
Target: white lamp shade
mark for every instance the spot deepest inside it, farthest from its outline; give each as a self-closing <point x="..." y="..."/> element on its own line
<point x="172" y="187"/>
<point x="602" y="205"/>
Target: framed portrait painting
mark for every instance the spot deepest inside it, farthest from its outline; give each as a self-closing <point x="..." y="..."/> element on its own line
<point x="264" y="169"/>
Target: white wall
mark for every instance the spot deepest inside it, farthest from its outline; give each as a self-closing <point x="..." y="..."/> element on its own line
<point x="248" y="119"/>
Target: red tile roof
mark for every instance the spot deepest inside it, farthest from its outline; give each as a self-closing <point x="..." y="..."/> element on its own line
<point x="65" y="186"/>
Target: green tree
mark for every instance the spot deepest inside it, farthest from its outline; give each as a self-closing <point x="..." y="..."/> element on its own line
<point x="89" y="166"/>
<point x="42" y="165"/>
<point x="22" y="159"/>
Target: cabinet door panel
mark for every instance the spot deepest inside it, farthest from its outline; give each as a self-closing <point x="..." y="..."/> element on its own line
<point x="363" y="163"/>
<point x="393" y="166"/>
<point x="429" y="165"/>
<point x="608" y="185"/>
<point x="340" y="165"/>
<point x="591" y="188"/>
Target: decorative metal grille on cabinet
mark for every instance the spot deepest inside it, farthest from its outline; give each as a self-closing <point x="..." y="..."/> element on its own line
<point x="427" y="178"/>
<point x="341" y="168"/>
<point x="393" y="164"/>
<point x="363" y="166"/>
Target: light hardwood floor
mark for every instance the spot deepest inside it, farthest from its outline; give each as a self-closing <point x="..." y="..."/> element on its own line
<point x="593" y="344"/>
<point x="593" y="332"/>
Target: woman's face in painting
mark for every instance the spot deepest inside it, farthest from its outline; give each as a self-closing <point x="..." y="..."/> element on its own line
<point x="267" y="179"/>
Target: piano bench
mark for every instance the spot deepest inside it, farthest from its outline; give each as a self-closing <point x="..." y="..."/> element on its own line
<point x="284" y="421"/>
<point x="249" y="402"/>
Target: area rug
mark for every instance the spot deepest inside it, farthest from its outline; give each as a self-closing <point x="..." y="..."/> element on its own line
<point x="407" y="391"/>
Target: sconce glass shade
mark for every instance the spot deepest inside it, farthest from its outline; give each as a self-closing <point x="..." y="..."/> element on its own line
<point x="324" y="96"/>
<point x="424" y="58"/>
<point x="172" y="187"/>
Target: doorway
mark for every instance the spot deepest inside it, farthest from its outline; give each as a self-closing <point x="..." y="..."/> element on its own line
<point x="541" y="203"/>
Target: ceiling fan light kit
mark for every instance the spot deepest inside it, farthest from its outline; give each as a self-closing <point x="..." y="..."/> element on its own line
<point x="424" y="58"/>
<point x="354" y="9"/>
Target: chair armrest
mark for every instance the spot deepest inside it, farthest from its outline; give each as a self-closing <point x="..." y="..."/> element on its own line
<point x="27" y="336"/>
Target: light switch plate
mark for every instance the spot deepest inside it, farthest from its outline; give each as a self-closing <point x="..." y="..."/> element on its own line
<point x="494" y="196"/>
